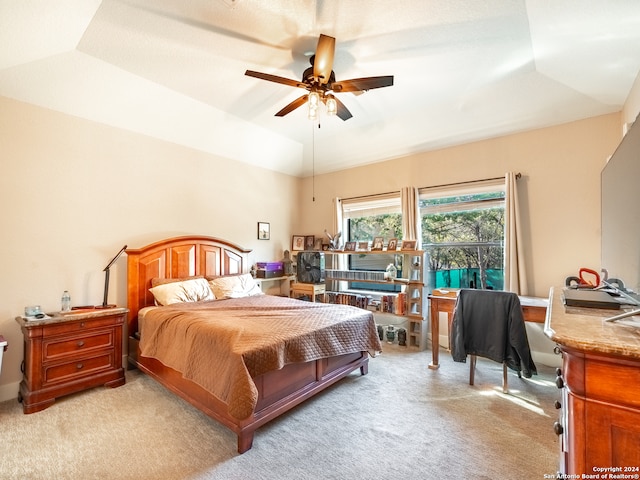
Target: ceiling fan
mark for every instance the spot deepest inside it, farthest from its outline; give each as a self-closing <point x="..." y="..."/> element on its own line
<point x="320" y="81"/>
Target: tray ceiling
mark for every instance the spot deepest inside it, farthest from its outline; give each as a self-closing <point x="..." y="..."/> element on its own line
<point x="464" y="70"/>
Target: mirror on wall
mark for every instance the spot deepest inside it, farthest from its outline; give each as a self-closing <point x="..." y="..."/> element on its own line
<point x="621" y="211"/>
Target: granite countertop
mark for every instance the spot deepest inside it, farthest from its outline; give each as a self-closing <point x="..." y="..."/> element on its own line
<point x="83" y="314"/>
<point x="585" y="329"/>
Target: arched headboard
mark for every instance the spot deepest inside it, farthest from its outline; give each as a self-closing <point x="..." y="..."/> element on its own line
<point x="178" y="257"/>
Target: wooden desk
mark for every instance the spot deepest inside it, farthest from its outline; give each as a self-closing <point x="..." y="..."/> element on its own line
<point x="534" y="309"/>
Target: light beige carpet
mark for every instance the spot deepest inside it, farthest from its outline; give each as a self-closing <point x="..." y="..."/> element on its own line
<point x="402" y="420"/>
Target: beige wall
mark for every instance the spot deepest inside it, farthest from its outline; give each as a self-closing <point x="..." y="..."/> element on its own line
<point x="559" y="189"/>
<point x="73" y="192"/>
<point x="559" y="195"/>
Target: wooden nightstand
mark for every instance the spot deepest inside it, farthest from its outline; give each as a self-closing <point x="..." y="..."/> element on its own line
<point x="70" y="352"/>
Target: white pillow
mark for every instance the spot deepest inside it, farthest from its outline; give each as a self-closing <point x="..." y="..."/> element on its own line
<point x="186" y="291"/>
<point x="236" y="286"/>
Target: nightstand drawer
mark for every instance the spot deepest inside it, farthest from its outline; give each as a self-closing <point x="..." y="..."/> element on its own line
<point x="61" y="347"/>
<point x="65" y="372"/>
<point x="77" y="326"/>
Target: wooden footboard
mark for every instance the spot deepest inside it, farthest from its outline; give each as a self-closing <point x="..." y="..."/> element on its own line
<point x="278" y="391"/>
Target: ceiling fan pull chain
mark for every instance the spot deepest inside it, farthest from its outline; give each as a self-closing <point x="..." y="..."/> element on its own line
<point x="313" y="162"/>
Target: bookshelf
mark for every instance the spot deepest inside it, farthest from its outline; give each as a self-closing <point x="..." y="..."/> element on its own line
<point x="410" y="302"/>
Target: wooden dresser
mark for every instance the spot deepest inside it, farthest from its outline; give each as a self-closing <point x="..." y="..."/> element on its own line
<point x="599" y="406"/>
<point x="70" y="352"/>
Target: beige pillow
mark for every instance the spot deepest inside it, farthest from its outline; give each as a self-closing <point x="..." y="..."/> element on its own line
<point x="194" y="290"/>
<point x="235" y="286"/>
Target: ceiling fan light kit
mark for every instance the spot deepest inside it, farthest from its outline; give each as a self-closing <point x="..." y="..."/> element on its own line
<point x="319" y="80"/>
<point x="332" y="105"/>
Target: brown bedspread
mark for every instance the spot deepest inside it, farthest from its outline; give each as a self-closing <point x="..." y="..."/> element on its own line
<point x="222" y="344"/>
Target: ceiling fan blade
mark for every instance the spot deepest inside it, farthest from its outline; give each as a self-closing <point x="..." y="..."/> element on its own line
<point x="342" y="112"/>
<point x="323" y="62"/>
<point x="362" y="84"/>
<point x="275" y="78"/>
<point x="293" y="105"/>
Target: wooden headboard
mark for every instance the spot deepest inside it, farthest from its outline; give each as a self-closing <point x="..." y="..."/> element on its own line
<point x="178" y="257"/>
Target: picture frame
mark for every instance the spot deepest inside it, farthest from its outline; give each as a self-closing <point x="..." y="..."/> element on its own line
<point x="317" y="245"/>
<point x="350" y="247"/>
<point x="378" y="243"/>
<point x="408" y="245"/>
<point x="364" y="246"/>
<point x="297" y="243"/>
<point x="309" y="242"/>
<point x="325" y="247"/>
<point x="392" y="246"/>
<point x="264" y="231"/>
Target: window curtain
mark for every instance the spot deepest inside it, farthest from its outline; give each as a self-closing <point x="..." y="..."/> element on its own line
<point x="337" y="223"/>
<point x="338" y="226"/>
<point x="411" y="220"/>
<point x="515" y="278"/>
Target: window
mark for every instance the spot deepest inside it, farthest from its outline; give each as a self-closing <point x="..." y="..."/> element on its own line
<point x="365" y="219"/>
<point x="463" y="234"/>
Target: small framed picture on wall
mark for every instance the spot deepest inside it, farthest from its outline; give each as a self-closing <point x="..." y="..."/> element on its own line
<point x="264" y="231"/>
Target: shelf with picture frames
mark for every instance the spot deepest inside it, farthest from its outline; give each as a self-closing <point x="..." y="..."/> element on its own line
<point x="413" y="300"/>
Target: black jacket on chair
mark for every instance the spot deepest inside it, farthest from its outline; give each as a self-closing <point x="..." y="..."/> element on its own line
<point x="490" y="324"/>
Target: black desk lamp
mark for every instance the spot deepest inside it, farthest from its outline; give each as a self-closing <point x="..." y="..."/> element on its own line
<point x="106" y="280"/>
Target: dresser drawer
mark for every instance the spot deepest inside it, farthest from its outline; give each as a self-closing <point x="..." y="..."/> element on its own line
<point x="65" y="346"/>
<point x="80" y="325"/>
<point x="614" y="382"/>
<point x="64" y="372"/>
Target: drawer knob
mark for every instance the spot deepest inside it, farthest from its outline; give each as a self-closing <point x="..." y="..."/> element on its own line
<point x="80" y="344"/>
<point x="557" y="428"/>
<point x="79" y="366"/>
<point x="81" y="324"/>
<point x="557" y="405"/>
<point x="559" y="382"/>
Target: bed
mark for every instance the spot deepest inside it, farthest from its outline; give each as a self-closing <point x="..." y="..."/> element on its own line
<point x="263" y="380"/>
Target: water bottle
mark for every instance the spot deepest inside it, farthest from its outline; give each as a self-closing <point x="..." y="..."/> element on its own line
<point x="66" y="301"/>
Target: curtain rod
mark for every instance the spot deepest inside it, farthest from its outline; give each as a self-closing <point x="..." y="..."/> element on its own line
<point x="518" y="176"/>
<point x="370" y="196"/>
<point x="455" y="184"/>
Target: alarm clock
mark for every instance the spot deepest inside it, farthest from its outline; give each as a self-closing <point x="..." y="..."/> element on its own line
<point x="310" y="267"/>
